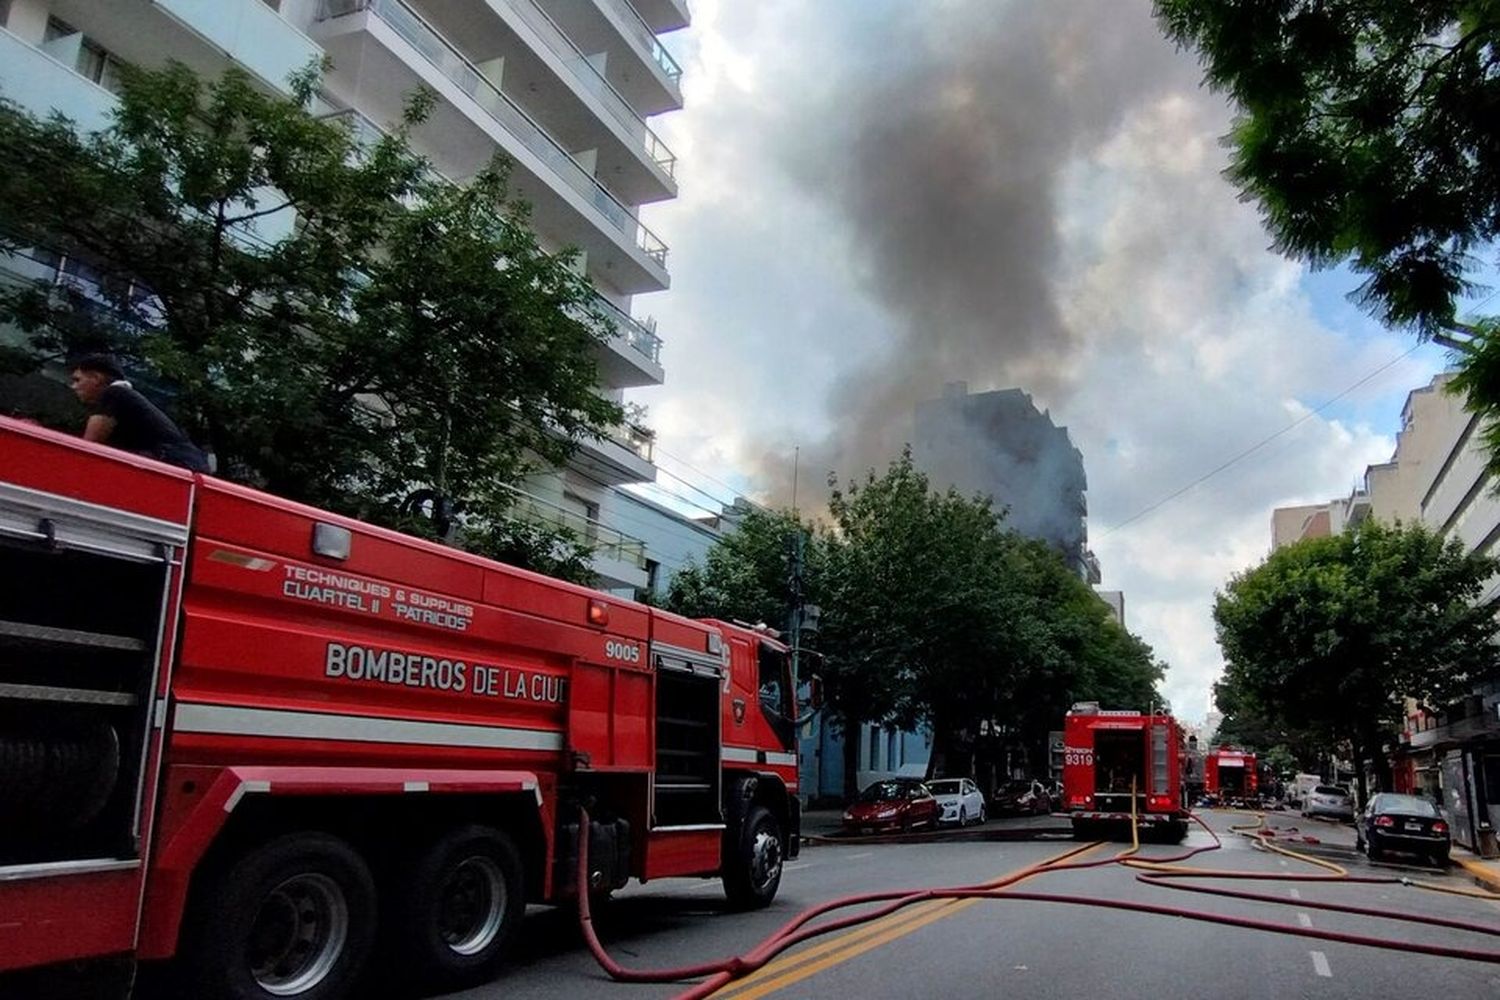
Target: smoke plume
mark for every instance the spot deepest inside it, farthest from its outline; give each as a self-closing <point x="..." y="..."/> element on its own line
<point x="941" y="145"/>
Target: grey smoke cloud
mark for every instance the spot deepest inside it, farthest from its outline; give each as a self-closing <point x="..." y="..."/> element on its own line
<point x="941" y="143"/>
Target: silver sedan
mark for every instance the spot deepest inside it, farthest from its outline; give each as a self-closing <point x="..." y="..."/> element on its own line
<point x="1332" y="801"/>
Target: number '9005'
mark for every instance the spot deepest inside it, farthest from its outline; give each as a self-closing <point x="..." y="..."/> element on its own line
<point x="622" y="651"/>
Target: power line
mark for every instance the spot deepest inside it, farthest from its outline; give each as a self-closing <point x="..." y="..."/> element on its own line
<point x="1259" y="444"/>
<point x="688" y="465"/>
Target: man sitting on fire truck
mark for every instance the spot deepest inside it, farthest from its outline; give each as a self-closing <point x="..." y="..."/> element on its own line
<point x="125" y="419"/>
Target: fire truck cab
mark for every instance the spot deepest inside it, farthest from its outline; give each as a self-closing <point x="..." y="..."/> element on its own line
<point x="259" y="737"/>
<point x="1110" y="757"/>
<point x="1230" y="777"/>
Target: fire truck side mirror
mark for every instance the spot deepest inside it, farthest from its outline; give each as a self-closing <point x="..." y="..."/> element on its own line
<point x="814" y="692"/>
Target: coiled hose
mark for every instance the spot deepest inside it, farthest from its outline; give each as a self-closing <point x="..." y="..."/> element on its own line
<point x="1162" y="872"/>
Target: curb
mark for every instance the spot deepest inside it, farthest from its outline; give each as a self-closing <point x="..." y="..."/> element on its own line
<point x="996" y="835"/>
<point x="1477" y="869"/>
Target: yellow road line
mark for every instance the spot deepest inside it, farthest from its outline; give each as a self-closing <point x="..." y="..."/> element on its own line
<point x="856" y="941"/>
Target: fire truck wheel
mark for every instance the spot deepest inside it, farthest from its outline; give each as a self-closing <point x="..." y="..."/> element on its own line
<point x="752" y="869"/>
<point x="294" y="917"/>
<point x="459" y="905"/>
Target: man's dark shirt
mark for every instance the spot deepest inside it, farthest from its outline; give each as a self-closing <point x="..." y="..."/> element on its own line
<point x="142" y="428"/>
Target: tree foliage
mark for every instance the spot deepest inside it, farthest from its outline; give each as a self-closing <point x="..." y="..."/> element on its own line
<point x="1367" y="135"/>
<point x="406" y="333"/>
<point x="1327" y="637"/>
<point x="745" y="575"/>
<point x="932" y="614"/>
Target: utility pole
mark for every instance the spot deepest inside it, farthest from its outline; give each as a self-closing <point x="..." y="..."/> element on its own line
<point x="795" y="557"/>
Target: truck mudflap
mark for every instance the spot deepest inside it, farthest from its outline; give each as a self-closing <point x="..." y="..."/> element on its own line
<point x="794" y="835"/>
<point x="198" y="802"/>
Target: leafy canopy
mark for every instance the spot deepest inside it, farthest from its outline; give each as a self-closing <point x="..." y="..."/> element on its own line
<point x="1366" y="134"/>
<point x="337" y="323"/>
<point x="931" y="612"/>
<point x="1329" y="636"/>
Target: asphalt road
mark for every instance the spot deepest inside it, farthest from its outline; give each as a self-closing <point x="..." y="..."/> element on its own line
<point x="1024" y="948"/>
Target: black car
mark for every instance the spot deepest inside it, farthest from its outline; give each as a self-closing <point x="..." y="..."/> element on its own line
<point x="1393" y="822"/>
<point x="1022" y="797"/>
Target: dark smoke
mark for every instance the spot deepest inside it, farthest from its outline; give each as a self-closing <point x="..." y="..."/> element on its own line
<point x="942" y="147"/>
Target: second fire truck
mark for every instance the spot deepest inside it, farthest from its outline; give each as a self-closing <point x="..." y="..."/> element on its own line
<point x="1123" y="766"/>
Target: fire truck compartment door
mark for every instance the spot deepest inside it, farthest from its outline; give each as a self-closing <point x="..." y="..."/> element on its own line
<point x="609" y="718"/>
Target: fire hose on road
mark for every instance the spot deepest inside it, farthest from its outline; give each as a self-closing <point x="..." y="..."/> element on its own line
<point x="1163" y="872"/>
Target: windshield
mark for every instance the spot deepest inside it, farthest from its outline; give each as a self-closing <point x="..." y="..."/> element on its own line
<point x="944" y="787"/>
<point x="882" y="791"/>
<point x="1330" y="790"/>
<point x="1404" y="805"/>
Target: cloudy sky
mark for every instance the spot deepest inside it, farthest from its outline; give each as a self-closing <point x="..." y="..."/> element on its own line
<point x="881" y="196"/>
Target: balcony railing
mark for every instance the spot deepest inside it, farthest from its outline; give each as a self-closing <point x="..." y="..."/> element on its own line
<point x="602" y="539"/>
<point x="641" y="337"/>
<point x="596" y="82"/>
<point x="635" y="438"/>
<point x="646" y="37"/>
<point x="462" y="73"/>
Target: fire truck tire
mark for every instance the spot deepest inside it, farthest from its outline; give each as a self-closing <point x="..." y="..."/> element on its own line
<point x="458" y="906"/>
<point x="752" y="869"/>
<point x="293" y="917"/>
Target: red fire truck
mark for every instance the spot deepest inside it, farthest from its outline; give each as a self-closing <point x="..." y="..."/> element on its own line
<point x="262" y="738"/>
<point x="1230" y="777"/>
<point x="1110" y="755"/>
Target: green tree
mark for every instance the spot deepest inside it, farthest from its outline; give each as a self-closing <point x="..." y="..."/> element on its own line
<point x="932" y="614"/>
<point x="406" y="334"/>
<point x="745" y="575"/>
<point x="1366" y="134"/>
<point x="1330" y="635"/>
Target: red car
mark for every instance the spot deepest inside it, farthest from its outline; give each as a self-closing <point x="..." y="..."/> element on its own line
<point x="893" y="804"/>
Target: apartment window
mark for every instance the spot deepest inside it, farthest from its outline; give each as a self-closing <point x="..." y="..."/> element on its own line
<point x="94" y="62"/>
<point x="890" y="751"/>
<point x="874" y="749"/>
<point x="4" y="13"/>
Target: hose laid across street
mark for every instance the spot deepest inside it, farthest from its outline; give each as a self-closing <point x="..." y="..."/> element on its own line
<point x="1162" y="872"/>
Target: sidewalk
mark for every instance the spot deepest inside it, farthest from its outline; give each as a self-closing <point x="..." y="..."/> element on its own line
<point x="1484" y="870"/>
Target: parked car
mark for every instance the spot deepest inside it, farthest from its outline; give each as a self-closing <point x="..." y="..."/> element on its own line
<point x="1022" y="797"/>
<point x="892" y="804"/>
<point x="1328" y="800"/>
<point x="959" y="799"/>
<point x="1406" y="823"/>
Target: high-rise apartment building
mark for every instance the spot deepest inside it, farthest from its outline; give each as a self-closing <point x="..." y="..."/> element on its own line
<point x="562" y="88"/>
<point x="1000" y="445"/>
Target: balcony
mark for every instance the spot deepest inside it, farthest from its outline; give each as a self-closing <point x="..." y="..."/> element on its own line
<point x="664" y="15"/>
<point x="389" y="51"/>
<point x="43" y="85"/>
<point x="618" y="559"/>
<point x="623" y="455"/>
<point x="585" y="75"/>
<point x="208" y="35"/>
<point x="634" y="356"/>
<point x="637" y="63"/>
<point x="644" y="37"/>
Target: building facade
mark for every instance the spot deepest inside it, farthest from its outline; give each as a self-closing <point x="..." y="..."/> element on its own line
<point x="564" y="89"/>
<point x="1438" y="477"/>
<point x="1000" y="445"/>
